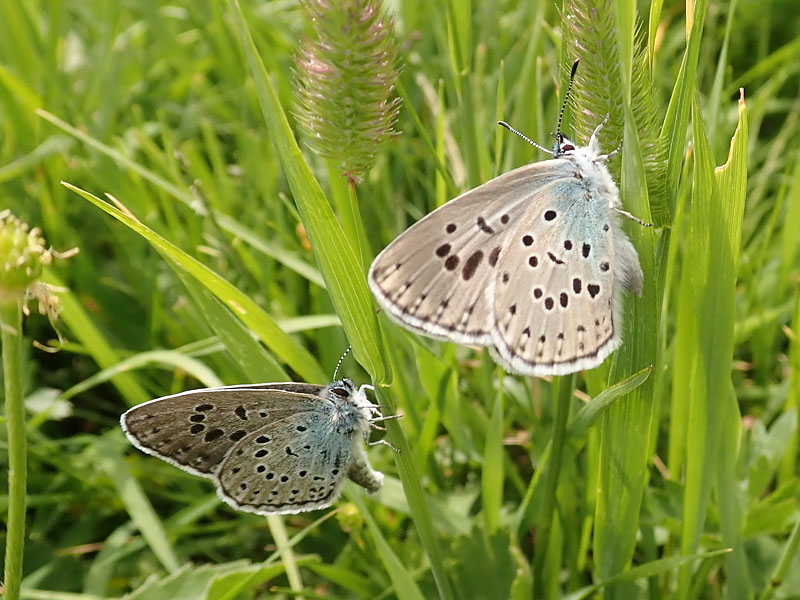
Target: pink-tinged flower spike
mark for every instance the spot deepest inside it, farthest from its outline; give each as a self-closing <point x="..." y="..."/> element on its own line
<point x="344" y="80"/>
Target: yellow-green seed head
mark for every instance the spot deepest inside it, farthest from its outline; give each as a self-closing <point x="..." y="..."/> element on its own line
<point x="350" y="519"/>
<point x="22" y="255"/>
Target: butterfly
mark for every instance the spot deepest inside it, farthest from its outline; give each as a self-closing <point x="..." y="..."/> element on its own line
<point x="530" y="264"/>
<point x="270" y="448"/>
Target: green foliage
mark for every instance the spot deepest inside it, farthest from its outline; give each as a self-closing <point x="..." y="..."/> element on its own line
<point x="225" y="253"/>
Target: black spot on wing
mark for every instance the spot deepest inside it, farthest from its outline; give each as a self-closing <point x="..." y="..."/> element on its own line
<point x="483" y="226"/>
<point x="494" y="255"/>
<point x="471" y="265"/>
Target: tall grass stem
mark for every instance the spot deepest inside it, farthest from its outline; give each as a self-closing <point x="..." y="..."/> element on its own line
<point x="11" y="336"/>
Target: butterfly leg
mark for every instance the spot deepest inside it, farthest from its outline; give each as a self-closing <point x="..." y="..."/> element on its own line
<point x="604" y="157"/>
<point x="599" y="127"/>
<point x="380" y="418"/>
<point x="383" y="443"/>
<point x="385" y="418"/>
<point x="594" y="144"/>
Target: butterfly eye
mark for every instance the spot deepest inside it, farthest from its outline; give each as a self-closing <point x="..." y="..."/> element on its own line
<point x="567" y="148"/>
<point x="342" y="393"/>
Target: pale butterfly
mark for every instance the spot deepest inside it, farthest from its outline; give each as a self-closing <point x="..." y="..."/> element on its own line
<point x="270" y="448"/>
<point x="530" y="264"/>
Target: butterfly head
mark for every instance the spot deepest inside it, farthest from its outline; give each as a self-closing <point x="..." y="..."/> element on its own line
<point x="341" y="390"/>
<point x="344" y="390"/>
<point x="563" y="146"/>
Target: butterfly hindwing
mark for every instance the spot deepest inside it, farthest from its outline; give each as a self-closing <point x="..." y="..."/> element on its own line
<point x="266" y="473"/>
<point x="555" y="295"/>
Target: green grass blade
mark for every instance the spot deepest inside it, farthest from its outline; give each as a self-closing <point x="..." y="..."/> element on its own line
<point x="404" y="585"/>
<point x="335" y="255"/>
<point x="257" y="363"/>
<point x="137" y="504"/>
<point x="85" y="330"/>
<point x="492" y="475"/>
<point x="417" y="501"/>
<point x="166" y="359"/>
<point x="673" y="132"/>
<point x="591" y="412"/>
<point x="728" y="198"/>
<point x="718" y="205"/>
<point x="248" y="311"/>
<point x="225" y="222"/>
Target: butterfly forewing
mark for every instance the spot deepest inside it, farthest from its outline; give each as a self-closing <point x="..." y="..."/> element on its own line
<point x="555" y="289"/>
<point x="435" y="278"/>
<point x="195" y="430"/>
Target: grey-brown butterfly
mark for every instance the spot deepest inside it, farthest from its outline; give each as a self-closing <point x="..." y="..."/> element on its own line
<point x="270" y="448"/>
<point x="530" y="264"/>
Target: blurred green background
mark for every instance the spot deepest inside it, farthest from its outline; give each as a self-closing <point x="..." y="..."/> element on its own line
<point x="158" y="105"/>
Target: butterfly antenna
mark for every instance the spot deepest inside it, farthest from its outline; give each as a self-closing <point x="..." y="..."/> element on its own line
<point x="524" y="137"/>
<point x="566" y="99"/>
<point x="339" y="364"/>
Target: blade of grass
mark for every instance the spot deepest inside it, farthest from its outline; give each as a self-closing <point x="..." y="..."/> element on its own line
<point x="544" y="520"/>
<point x="255" y="361"/>
<point x="728" y="199"/>
<point x="345" y="282"/>
<point x="702" y="429"/>
<point x="626" y="426"/>
<point x="492" y="476"/>
<point x="11" y="348"/>
<point x="84" y="329"/>
<point x="336" y="258"/>
<point x="673" y="132"/>
<point x="167" y="359"/>
<point x="295" y="355"/>
<point x="417" y="502"/>
<point x="718" y="205"/>
<point x="656" y="567"/>
<point x="136" y="503"/>
<point x="576" y="432"/>
<point x="224" y="221"/>
<point x="404" y="585"/>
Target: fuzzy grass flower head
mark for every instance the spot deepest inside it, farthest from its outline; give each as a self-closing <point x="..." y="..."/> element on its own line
<point x="345" y="80"/>
<point x="23" y="253"/>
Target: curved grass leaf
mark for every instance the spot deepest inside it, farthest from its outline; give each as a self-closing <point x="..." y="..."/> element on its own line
<point x="334" y="254"/>
<point x="295" y="355"/>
